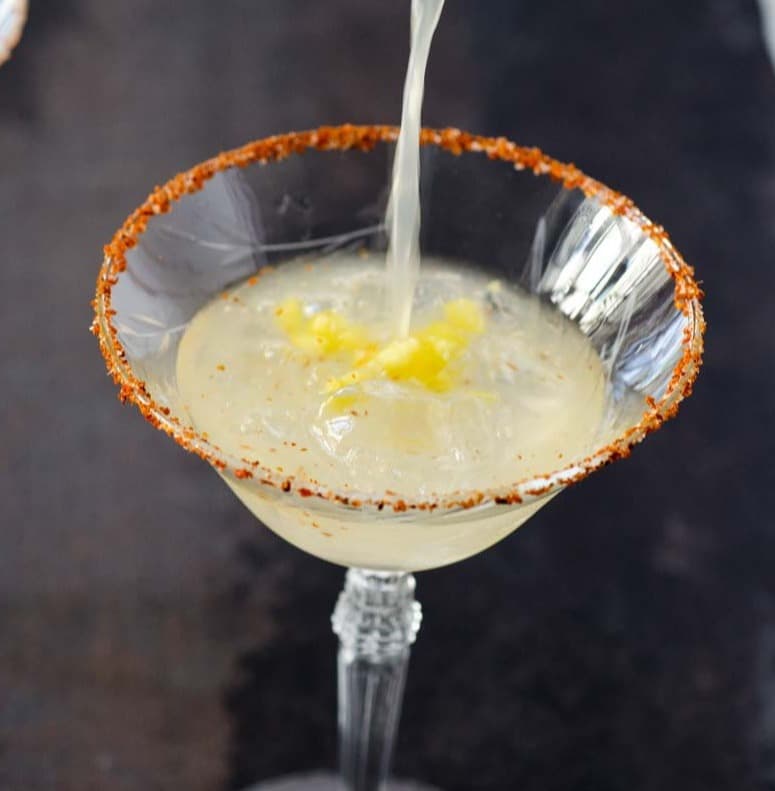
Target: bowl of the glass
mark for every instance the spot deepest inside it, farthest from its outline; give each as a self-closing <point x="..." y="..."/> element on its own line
<point x="512" y="214"/>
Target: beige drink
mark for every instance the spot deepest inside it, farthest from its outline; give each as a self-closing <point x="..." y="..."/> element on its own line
<point x="325" y="395"/>
<point x="403" y="214"/>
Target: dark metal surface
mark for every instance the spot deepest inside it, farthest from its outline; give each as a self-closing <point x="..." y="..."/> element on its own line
<point x="152" y="636"/>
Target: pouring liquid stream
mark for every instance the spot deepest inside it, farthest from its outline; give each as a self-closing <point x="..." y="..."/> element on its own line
<point x="403" y="213"/>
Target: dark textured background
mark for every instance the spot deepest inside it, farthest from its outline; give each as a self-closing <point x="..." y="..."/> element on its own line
<point x="152" y="636"/>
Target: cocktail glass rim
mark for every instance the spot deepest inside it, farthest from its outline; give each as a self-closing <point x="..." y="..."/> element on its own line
<point x="687" y="298"/>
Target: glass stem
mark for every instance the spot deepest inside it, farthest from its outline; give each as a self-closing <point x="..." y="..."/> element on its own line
<point x="376" y="619"/>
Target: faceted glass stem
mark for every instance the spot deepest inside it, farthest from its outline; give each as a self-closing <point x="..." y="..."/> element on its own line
<point x="376" y="619"/>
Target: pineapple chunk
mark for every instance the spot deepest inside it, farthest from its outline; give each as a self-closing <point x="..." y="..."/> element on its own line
<point x="464" y="314"/>
<point x="324" y="333"/>
<point x="425" y="357"/>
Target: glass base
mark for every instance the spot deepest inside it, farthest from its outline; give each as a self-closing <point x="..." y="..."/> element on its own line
<point x="325" y="781"/>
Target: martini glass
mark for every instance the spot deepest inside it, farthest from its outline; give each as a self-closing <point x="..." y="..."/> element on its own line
<point x="510" y="211"/>
<point x="13" y="15"/>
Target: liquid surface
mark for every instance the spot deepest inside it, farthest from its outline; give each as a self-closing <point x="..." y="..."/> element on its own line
<point x="525" y="393"/>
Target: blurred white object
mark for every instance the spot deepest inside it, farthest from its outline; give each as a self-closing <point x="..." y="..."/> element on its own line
<point x="768" y="26"/>
<point x="13" y="15"/>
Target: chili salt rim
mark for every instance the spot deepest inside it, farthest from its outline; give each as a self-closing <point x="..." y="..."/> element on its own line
<point x="18" y="13"/>
<point x="687" y="297"/>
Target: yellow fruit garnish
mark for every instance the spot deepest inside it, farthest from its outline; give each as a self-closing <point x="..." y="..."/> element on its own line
<point x="323" y="333"/>
<point x="464" y="315"/>
<point x="424" y="357"/>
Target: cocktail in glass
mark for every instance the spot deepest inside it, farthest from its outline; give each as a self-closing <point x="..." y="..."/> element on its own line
<point x="524" y="219"/>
